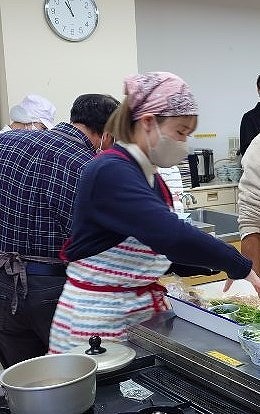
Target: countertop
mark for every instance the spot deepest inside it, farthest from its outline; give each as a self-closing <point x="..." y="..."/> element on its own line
<point x="186" y="346"/>
<point x="214" y="184"/>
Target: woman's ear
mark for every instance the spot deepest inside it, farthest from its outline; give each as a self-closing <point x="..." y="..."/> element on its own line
<point x="147" y="121"/>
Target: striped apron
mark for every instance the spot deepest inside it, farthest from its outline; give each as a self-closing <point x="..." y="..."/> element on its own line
<point x="107" y="292"/>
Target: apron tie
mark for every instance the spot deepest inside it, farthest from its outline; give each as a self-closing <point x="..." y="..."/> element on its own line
<point x="152" y="288"/>
<point x="14" y="266"/>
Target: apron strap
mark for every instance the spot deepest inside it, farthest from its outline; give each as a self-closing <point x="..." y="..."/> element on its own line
<point x="14" y="265"/>
<point x="164" y="190"/>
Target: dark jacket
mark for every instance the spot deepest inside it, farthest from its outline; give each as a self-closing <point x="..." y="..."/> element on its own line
<point x="249" y="128"/>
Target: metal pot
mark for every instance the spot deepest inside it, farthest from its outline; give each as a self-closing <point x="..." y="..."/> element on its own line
<point x="60" y="384"/>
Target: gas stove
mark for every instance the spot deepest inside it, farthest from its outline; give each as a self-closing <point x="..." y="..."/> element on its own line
<point x="171" y="393"/>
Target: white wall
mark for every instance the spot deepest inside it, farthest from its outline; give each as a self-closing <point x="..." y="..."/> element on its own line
<point x="38" y="61"/>
<point x="214" y="45"/>
<point x="3" y="90"/>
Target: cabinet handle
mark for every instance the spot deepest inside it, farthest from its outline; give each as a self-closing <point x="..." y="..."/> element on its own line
<point x="212" y="196"/>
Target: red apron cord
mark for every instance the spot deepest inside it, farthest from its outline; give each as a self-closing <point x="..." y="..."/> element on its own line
<point x="139" y="290"/>
<point x="164" y="190"/>
<point x="62" y="254"/>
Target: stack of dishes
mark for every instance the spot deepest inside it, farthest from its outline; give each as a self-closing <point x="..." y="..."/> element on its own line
<point x="234" y="172"/>
<point x="229" y="172"/>
<point x="184" y="168"/>
<point x="222" y="173"/>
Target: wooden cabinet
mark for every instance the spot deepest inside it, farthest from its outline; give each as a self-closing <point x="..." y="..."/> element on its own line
<point x="215" y="197"/>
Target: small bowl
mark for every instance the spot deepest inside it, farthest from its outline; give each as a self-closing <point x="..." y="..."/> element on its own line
<point x="227" y="310"/>
<point x="249" y="338"/>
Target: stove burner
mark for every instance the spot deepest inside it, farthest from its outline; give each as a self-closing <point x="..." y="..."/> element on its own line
<point x="184" y="408"/>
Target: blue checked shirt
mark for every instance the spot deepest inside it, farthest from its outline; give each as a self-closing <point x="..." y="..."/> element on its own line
<point x="39" y="174"/>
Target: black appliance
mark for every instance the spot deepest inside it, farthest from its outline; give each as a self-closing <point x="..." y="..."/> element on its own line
<point x="205" y="164"/>
<point x="193" y="163"/>
<point x="173" y="393"/>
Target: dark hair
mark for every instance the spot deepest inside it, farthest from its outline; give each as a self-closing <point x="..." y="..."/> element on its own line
<point x="258" y="82"/>
<point x="93" y="111"/>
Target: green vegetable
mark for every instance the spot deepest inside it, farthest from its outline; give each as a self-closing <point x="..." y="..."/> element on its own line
<point x="221" y="311"/>
<point x="246" y="314"/>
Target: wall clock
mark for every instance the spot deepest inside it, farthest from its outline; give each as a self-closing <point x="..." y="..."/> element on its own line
<point x="73" y="20"/>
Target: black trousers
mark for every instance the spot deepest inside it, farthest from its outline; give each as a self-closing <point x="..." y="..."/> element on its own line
<point x="26" y="333"/>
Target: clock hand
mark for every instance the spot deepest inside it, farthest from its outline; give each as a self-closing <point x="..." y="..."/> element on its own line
<point x="69" y="7"/>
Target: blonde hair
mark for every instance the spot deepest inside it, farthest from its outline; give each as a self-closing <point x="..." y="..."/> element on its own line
<point x="120" y="124"/>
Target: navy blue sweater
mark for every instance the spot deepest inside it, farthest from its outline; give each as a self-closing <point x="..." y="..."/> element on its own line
<point x="115" y="201"/>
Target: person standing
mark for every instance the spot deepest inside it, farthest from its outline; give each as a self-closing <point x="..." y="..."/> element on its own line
<point x="39" y="174"/>
<point x="127" y="236"/>
<point x="34" y="112"/>
<point x="249" y="204"/>
<point x="250" y="124"/>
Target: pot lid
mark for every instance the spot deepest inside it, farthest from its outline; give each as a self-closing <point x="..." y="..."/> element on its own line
<point x="109" y="355"/>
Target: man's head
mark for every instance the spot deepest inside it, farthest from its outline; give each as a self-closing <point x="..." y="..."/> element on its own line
<point x="90" y="113"/>
<point x="258" y="84"/>
<point x="34" y="112"/>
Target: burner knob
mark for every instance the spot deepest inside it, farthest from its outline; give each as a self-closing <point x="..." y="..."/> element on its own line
<point x="95" y="346"/>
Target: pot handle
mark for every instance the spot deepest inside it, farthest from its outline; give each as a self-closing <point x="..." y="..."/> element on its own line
<point x="95" y="346"/>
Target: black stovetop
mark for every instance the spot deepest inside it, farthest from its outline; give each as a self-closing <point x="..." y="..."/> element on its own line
<point x="172" y="394"/>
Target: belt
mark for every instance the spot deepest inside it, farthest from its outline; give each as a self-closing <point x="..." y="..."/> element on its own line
<point x="16" y="265"/>
<point x="45" y="269"/>
<point x="139" y="290"/>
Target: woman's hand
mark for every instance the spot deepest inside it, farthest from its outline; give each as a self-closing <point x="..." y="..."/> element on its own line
<point x="251" y="277"/>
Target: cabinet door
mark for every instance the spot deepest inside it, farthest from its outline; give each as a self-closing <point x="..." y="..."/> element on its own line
<point x="213" y="197"/>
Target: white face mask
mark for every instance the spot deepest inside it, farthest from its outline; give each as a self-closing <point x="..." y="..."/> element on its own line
<point x="99" y="149"/>
<point x="31" y="127"/>
<point x="167" y="151"/>
<point x="34" y="128"/>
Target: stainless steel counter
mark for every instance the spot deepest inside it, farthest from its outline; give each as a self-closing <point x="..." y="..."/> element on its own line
<point x="185" y="346"/>
<point x="225" y="224"/>
<point x="206" y="227"/>
<point x="213" y="184"/>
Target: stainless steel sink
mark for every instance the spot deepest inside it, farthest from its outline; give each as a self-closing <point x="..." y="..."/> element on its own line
<point x="226" y="225"/>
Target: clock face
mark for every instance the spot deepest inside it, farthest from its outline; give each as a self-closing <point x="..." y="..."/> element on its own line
<point x="73" y="20"/>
